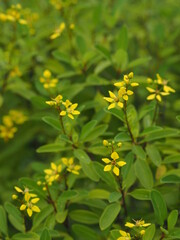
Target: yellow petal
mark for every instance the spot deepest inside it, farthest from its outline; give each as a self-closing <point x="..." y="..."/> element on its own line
<point x="116" y="171"/>
<point x="146" y="224"/>
<point x="62" y="113"/>
<point x="151" y="90"/>
<point x="65" y="161"/>
<point x="77" y="167"/>
<point x="112" y="95"/>
<point x="142" y="232"/>
<point x="125" y="97"/>
<point x="107" y="168"/>
<point x="123" y="233"/>
<point x="27" y="196"/>
<point x="168" y="89"/>
<point x="35" y="209"/>
<point x="53" y="166"/>
<point x="106" y="160"/>
<point x="134" y="84"/>
<point x="59" y="168"/>
<point x="129" y="92"/>
<point x="158" y="97"/>
<point x="74" y="106"/>
<point x="151" y="97"/>
<point x="130" y="225"/>
<point x="29" y="212"/>
<point x="71" y="161"/>
<point x="22" y="207"/>
<point x="18" y="189"/>
<point x="121" y="163"/>
<point x="114" y="156"/>
<point x="108" y="99"/>
<point x="48" y="171"/>
<point x="70" y="116"/>
<point x="35" y="200"/>
<point x="120" y="104"/>
<point x="76" y="112"/>
<point x="119" y="84"/>
<point x="164" y="93"/>
<point x="112" y="105"/>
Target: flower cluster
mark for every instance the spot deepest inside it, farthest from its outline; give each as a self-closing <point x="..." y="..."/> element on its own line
<point x="159" y="88"/>
<point x="8" y="128"/>
<point x="52" y="174"/>
<point x="64" y="108"/>
<point x="138" y="226"/>
<point x="59" y="4"/>
<point x="111" y="144"/>
<point x="13" y="14"/>
<point x="71" y="166"/>
<point x="47" y="80"/>
<point x="123" y="93"/>
<point x="113" y="164"/>
<point x="28" y="202"/>
<point x="58" y="31"/>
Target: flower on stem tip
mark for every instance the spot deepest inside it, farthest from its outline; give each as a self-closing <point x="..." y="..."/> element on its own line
<point x="164" y="82"/>
<point x="156" y="94"/>
<point x="138" y="223"/>
<point x="71" y="166"/>
<point x="55" y="101"/>
<point x="113" y="163"/>
<point x="30" y="205"/>
<point x="125" y="235"/>
<point x="70" y="109"/>
<point x="47" y="81"/>
<point x="114" y="100"/>
<point x="52" y="174"/>
<point x="57" y="33"/>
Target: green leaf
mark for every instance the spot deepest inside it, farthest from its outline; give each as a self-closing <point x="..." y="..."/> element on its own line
<point x="129" y="158"/>
<point x="15" y="216"/>
<point x="83" y="232"/>
<point x="172" y="219"/>
<point x="3" y="221"/>
<point x="53" y="122"/>
<point x="172" y="176"/>
<point x="122" y="137"/>
<point x="62" y="57"/>
<point x="163" y="133"/>
<point x="120" y="59"/>
<point x="61" y="216"/>
<point x="102" y="66"/>
<point x="149" y="130"/>
<point x="45" y="235"/>
<point x="87" y="128"/>
<point x="65" y="138"/>
<point x="103" y="51"/>
<point x="99" y="193"/>
<point x="109" y="215"/>
<point x="139" y="152"/>
<point x="159" y="206"/>
<point x="154" y="154"/>
<point x="41" y="216"/>
<point x="133" y="120"/>
<point x="114" y="196"/>
<point x="82" y="156"/>
<point x="172" y="159"/>
<point x="116" y="112"/>
<point x="84" y="216"/>
<point x="149" y="233"/>
<point x="52" y="147"/>
<point x="25" y="236"/>
<point x="68" y="194"/>
<point x="107" y="177"/>
<point x="122" y="41"/>
<point x="178" y="118"/>
<point x="144" y="174"/>
<point x="139" y="61"/>
<point x="96" y="132"/>
<point x="90" y="171"/>
<point x="141" y="194"/>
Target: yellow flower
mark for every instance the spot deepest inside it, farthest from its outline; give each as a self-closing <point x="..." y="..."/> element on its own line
<point x="58" y="31"/>
<point x="52" y="174"/>
<point x="17" y="116"/>
<point x="47" y="81"/>
<point x="138" y="223"/>
<point x="126" y="81"/>
<point x="113" y="163"/>
<point x="55" y="101"/>
<point x="125" y="235"/>
<point x="30" y="205"/>
<point x="26" y="191"/>
<point x="105" y="143"/>
<point x="142" y="232"/>
<point x="71" y="167"/>
<point x="124" y="93"/>
<point x="114" y="100"/>
<point x="14" y="196"/>
<point x="164" y="82"/>
<point x="156" y="94"/>
<point x="7" y="130"/>
<point x="70" y="109"/>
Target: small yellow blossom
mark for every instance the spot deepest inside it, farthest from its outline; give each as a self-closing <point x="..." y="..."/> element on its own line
<point x="14" y="196"/>
<point x="138" y="223"/>
<point x="30" y="205"/>
<point x="55" y="101"/>
<point x="72" y="26"/>
<point x="25" y="192"/>
<point x="164" y="82"/>
<point x="71" y="167"/>
<point x="7" y="130"/>
<point x="52" y="174"/>
<point x="114" y="100"/>
<point x="70" y="109"/>
<point x="113" y="163"/>
<point x="142" y="232"/>
<point x="127" y="81"/>
<point x="156" y="94"/>
<point x="58" y="31"/>
<point x="119" y="144"/>
<point x="47" y="81"/>
<point x="125" y="235"/>
<point x="105" y="143"/>
<point x="17" y="116"/>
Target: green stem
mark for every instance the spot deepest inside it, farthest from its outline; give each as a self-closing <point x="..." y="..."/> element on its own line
<point x="50" y="200"/>
<point x="127" y="123"/>
<point x="155" y="113"/>
<point x="120" y="180"/>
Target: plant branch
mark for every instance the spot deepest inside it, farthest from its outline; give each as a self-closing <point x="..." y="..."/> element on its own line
<point x="50" y="200"/>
